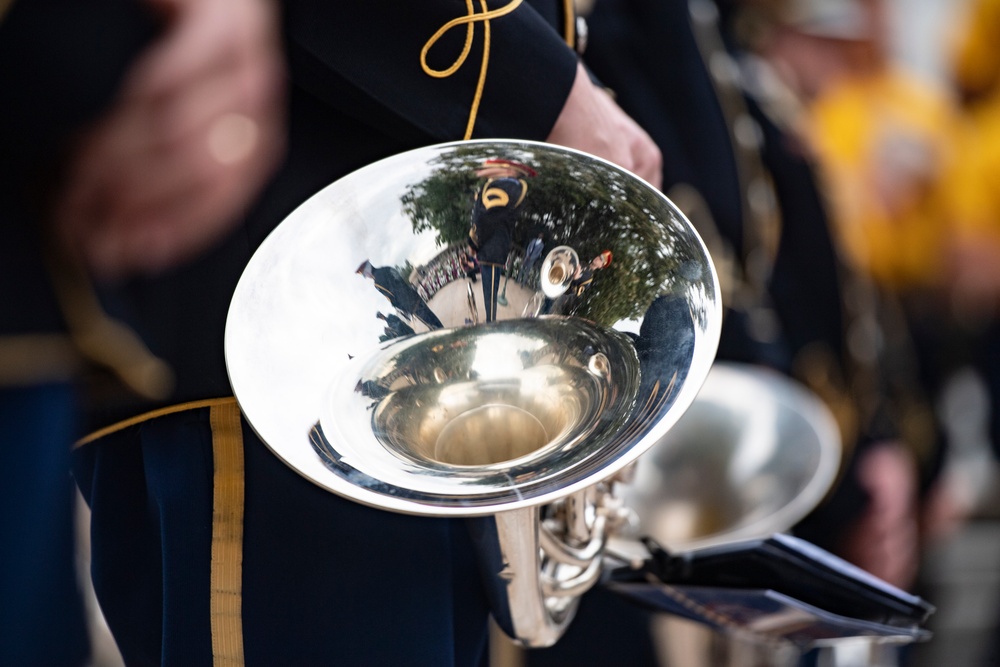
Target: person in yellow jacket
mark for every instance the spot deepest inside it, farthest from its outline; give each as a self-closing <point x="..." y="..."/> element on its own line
<point x="974" y="249"/>
<point x="886" y="142"/>
<point x="975" y="178"/>
<point x="883" y="142"/>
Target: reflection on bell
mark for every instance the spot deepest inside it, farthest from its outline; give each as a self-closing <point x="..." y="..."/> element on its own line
<point x="600" y="366"/>
<point x="471" y="300"/>
<point x="558" y="270"/>
<point x="532" y="396"/>
<point x="557" y="274"/>
<point x="517" y="420"/>
<point x="499" y="432"/>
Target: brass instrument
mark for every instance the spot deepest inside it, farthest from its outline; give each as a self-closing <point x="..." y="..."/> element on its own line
<point x="527" y="425"/>
<point x="558" y="270"/>
<point x="522" y="424"/>
<point x="752" y="456"/>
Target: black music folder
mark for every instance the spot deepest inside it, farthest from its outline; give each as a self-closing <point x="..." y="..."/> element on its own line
<point x="777" y="588"/>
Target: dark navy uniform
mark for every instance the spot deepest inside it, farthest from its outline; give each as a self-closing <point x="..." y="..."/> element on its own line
<point x="52" y="82"/>
<point x="403" y="296"/>
<point x="206" y="546"/>
<point x="581" y="282"/>
<point x="492" y="234"/>
<point x="394" y="327"/>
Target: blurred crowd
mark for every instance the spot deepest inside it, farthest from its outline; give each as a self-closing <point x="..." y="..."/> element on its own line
<point x="905" y="161"/>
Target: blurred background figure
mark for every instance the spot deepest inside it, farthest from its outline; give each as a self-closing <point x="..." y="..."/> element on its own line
<point x="733" y="121"/>
<point x="131" y="135"/>
<point x="973" y="273"/>
<point x="884" y="142"/>
<point x="196" y="131"/>
<point x="908" y="159"/>
<point x="883" y="137"/>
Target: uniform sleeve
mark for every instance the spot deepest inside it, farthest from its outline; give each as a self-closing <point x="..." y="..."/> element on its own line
<point x="60" y="64"/>
<point x="364" y="58"/>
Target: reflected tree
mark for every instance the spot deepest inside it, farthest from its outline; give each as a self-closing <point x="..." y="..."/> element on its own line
<point x="587" y="204"/>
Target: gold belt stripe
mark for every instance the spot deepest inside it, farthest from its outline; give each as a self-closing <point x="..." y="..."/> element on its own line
<point x="569" y="23"/>
<point x="227" y="536"/>
<point x="153" y="414"/>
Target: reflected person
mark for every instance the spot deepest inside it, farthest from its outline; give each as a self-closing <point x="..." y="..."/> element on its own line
<point x="583" y="277"/>
<point x="394" y="327"/>
<point x="494" y="214"/>
<point x="585" y="274"/>
<point x="531" y="256"/>
<point x="400" y="293"/>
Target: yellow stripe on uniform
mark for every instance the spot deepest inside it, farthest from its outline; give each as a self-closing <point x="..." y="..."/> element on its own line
<point x="495" y="197"/>
<point x="146" y="416"/>
<point x="569" y="23"/>
<point x="227" y="536"/>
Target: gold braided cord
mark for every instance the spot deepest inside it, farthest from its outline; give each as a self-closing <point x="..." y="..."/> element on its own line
<point x="226" y="597"/>
<point x="469" y="33"/>
<point x="469" y="20"/>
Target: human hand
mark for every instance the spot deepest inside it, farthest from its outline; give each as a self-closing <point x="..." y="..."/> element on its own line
<point x="885" y="540"/>
<point x="590" y="121"/>
<point x="972" y="272"/>
<point x="197" y="128"/>
<point x="947" y="506"/>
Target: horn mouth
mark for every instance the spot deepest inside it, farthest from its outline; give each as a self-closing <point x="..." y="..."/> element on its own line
<point x="483" y="423"/>
<point x="558" y="270"/>
<point x="304" y="331"/>
<point x="733" y="468"/>
<point x="507" y="431"/>
<point x="486" y="414"/>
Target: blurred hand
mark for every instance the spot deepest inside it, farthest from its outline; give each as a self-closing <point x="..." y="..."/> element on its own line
<point x="885" y="540"/>
<point x="591" y="121"/>
<point x="972" y="265"/>
<point x="946" y="508"/>
<point x="196" y="130"/>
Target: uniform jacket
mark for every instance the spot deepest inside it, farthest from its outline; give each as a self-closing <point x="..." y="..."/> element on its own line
<point x="493" y="217"/>
<point x="319" y="578"/>
<point x="358" y="94"/>
<point x="53" y="83"/>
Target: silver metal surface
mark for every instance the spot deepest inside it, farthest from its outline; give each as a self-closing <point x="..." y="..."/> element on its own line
<point x="558" y="269"/>
<point x="752" y="456"/>
<point x="303" y="344"/>
<point x="369" y="359"/>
